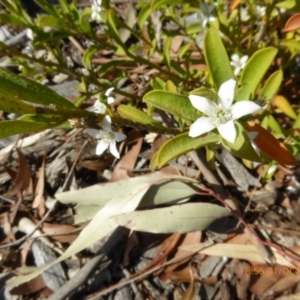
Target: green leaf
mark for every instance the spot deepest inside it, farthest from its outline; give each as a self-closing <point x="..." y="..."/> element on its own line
<point x="136" y="115"/>
<point x="242" y="146"/>
<point x="216" y="58"/>
<point x="21" y="88"/>
<point x="183" y="50"/>
<point x="182" y="144"/>
<point x="87" y="56"/>
<point x="167" y="50"/>
<point x="48" y="21"/>
<point x="168" y="191"/>
<point x="175" y="104"/>
<point x="291" y="44"/>
<point x="10" y="19"/>
<point x="143" y="15"/>
<point x="271" y="86"/>
<point x="9" y="128"/>
<point x="177" y="218"/>
<point x="112" y="29"/>
<point x="288" y="4"/>
<point x="254" y="72"/>
<point x="158" y="3"/>
<point x="297" y="122"/>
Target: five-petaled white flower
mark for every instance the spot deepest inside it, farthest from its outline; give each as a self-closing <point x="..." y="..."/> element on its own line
<point x="206" y="11"/>
<point x="220" y="115"/>
<point x="107" y="137"/>
<point x="238" y="63"/>
<point x="96" y="9"/>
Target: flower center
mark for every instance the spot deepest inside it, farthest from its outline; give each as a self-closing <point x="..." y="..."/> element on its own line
<point x="108" y="136"/>
<point x="223" y="116"/>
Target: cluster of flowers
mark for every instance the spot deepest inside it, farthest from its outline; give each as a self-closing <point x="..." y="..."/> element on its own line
<point x="220" y="115"/>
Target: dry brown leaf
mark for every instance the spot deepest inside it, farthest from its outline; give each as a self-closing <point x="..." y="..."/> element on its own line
<point x="189" y="238"/>
<point x="190" y="291"/>
<point x="60" y="232"/>
<point x="39" y="199"/>
<point x="22" y="178"/>
<point x="128" y="161"/>
<point x="33" y="286"/>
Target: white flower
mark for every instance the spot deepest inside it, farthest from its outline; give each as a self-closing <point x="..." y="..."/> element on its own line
<point x="222" y="114"/>
<point x="206" y="11"/>
<point x="107" y="137"/>
<point x="238" y="63"/>
<point x="110" y="99"/>
<point x="101" y="108"/>
<point x="96" y="9"/>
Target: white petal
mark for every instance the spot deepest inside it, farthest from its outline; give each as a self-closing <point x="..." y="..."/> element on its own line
<point x="211" y="18"/>
<point x="202" y="125"/>
<point x="119" y="136"/>
<point x="106" y="123"/>
<point x="113" y="149"/>
<point x="228" y="131"/>
<point x="204" y="22"/>
<point x="203" y="104"/>
<point x="95" y="133"/>
<point x="110" y="100"/>
<point x="237" y="71"/>
<point x="108" y="92"/>
<point x="101" y="147"/>
<point x="235" y="58"/>
<point x="244" y="59"/>
<point x="99" y="107"/>
<point x="226" y="93"/>
<point x="243" y="108"/>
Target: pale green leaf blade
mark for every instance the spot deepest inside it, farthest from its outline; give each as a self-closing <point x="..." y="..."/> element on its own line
<point x="177" y="218"/>
<point x="125" y="201"/>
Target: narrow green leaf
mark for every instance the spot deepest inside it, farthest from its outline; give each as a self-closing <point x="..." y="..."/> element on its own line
<point x="271" y="86"/>
<point x="22" y="88"/>
<point x="242" y="146"/>
<point x="216" y="58"/>
<point x="291" y="44"/>
<point x="177" y="218"/>
<point x="136" y="115"/>
<point x="175" y="104"/>
<point x="46" y="20"/>
<point x="143" y="15"/>
<point x="9" y="128"/>
<point x="167" y="49"/>
<point x="182" y="144"/>
<point x="254" y="72"/>
<point x="158" y="3"/>
<point x="10" y="19"/>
